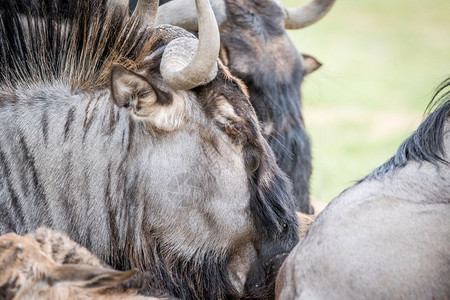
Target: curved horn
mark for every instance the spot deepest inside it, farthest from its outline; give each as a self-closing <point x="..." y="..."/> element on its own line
<point x="182" y="13"/>
<point x="188" y="62"/>
<point x="296" y="18"/>
<point x="147" y="9"/>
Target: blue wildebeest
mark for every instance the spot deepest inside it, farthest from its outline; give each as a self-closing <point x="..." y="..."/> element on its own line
<point x="140" y="145"/>
<point x="387" y="237"/>
<point x="257" y="49"/>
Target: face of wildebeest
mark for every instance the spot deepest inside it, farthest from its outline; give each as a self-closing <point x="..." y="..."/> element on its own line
<point x="256" y="48"/>
<point x="216" y="177"/>
<point x="147" y="160"/>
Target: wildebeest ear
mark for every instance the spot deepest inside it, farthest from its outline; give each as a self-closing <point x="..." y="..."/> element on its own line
<point x="129" y="88"/>
<point x="311" y="63"/>
<point x="86" y="276"/>
<point x="159" y="109"/>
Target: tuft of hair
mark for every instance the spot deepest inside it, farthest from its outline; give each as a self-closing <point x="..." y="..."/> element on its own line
<point x="73" y="42"/>
<point x="426" y="143"/>
<point x="28" y="270"/>
<point x="203" y="276"/>
<point x="59" y="247"/>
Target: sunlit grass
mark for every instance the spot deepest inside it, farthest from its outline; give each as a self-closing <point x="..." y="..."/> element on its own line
<point x="382" y="60"/>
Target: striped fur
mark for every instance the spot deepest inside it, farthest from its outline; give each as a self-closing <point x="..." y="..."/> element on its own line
<point x="77" y="51"/>
<point x="203" y="211"/>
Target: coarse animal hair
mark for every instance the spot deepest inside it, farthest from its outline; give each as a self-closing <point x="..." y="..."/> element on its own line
<point x="258" y="50"/>
<point x="79" y="169"/>
<point x="278" y="105"/>
<point x="47" y="264"/>
<point x="76" y="49"/>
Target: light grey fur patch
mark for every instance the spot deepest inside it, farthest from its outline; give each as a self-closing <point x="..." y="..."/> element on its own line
<point x="385" y="238"/>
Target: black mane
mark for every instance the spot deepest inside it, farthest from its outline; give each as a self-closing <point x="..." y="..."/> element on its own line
<point x="75" y="42"/>
<point x="279" y="102"/>
<point x="426" y="143"/>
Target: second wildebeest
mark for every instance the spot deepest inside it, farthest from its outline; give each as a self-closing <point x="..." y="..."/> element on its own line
<point x="256" y="48"/>
<point x="388" y="236"/>
<point x="141" y="146"/>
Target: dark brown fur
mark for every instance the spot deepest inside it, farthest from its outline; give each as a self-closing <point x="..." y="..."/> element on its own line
<point x="257" y="49"/>
<point x="87" y="67"/>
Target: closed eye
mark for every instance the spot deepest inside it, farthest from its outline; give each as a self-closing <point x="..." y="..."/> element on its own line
<point x="231" y="128"/>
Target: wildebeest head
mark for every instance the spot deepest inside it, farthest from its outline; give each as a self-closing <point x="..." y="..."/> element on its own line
<point x="256" y="48"/>
<point x="253" y="34"/>
<point x="170" y="160"/>
<point x="217" y="178"/>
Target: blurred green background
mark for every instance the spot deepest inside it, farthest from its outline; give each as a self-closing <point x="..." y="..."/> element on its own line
<point x="382" y="60"/>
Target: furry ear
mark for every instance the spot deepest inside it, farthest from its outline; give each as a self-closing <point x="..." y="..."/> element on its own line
<point x="311" y="63"/>
<point x="158" y="109"/>
<point x="86" y="276"/>
<point x="129" y="88"/>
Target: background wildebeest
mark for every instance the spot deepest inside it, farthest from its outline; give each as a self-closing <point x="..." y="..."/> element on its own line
<point x="387" y="237"/>
<point x="48" y="265"/>
<point x="257" y="49"/>
<point x="109" y="133"/>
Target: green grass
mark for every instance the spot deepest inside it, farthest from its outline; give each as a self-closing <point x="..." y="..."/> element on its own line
<point x="382" y="61"/>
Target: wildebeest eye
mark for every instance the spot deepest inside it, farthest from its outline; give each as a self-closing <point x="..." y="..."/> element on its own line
<point x="232" y="129"/>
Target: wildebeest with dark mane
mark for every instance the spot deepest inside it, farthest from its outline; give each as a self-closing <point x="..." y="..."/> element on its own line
<point x="139" y="144"/>
<point x="256" y="48"/>
<point x="388" y="236"/>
